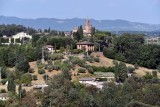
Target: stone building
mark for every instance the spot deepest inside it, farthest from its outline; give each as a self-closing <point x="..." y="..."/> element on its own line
<point x="87" y="46"/>
<point x="49" y="48"/>
<point x="87" y="30"/>
<point x="19" y="38"/>
<point x="152" y="40"/>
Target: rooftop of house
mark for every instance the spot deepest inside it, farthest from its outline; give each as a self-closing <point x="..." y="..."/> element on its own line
<point x="104" y="74"/>
<point x="49" y="46"/>
<point x="86" y="79"/>
<point x="85" y="43"/>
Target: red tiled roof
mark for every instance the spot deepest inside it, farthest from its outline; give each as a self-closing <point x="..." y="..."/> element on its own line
<point x="85" y="43"/>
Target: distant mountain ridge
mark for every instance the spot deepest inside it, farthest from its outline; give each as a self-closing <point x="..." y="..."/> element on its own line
<point x="69" y="24"/>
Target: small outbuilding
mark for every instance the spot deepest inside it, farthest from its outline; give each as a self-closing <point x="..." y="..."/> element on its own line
<point x="49" y="48"/>
<point x="109" y="76"/>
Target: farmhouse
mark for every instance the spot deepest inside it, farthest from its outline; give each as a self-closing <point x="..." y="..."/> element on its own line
<point x="87" y="46"/>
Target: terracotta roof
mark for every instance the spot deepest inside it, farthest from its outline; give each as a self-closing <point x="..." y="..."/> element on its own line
<point x="85" y="43"/>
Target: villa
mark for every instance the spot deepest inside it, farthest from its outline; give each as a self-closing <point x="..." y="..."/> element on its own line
<point x="87" y="46"/>
<point x="15" y="39"/>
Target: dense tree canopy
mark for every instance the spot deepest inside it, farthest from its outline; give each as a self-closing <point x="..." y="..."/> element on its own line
<point x="131" y="49"/>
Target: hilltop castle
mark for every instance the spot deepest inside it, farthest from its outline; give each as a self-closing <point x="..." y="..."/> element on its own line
<point x="87" y="30"/>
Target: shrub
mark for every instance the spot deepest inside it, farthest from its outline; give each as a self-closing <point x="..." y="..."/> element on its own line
<point x="40" y="66"/>
<point x="39" y="62"/>
<point x="76" y="51"/>
<point x="4" y="72"/>
<point x="3" y="81"/>
<point x="26" y="79"/>
<point x="90" y="70"/>
<point x="89" y="52"/>
<point x="136" y="66"/>
<point x="50" y="68"/>
<point x="110" y="53"/>
<point x="41" y="71"/>
<point x="23" y="66"/>
<point x="62" y="49"/>
<point x="45" y="66"/>
<point x="3" y="91"/>
<point x="34" y="77"/>
<point x="130" y="69"/>
<point x="55" y="67"/>
<point x="49" y="62"/>
<point x="57" y="62"/>
<point x="96" y="59"/>
<point x="45" y="77"/>
<point x="154" y="73"/>
<point x="31" y="70"/>
<point x="81" y="63"/>
<point x="148" y="76"/>
<point x="81" y="70"/>
<point x="89" y="59"/>
<point x="102" y="69"/>
<point x="57" y="56"/>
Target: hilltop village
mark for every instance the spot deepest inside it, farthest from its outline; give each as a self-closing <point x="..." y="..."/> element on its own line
<point x="81" y="68"/>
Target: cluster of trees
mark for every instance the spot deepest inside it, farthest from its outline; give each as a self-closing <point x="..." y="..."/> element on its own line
<point x="131" y="49"/>
<point x="59" y="42"/>
<point x="10" y="30"/>
<point x="13" y="54"/>
<point x="135" y="92"/>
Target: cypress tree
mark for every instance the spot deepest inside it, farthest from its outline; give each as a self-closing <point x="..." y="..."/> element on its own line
<point x="11" y="85"/>
<point x="20" y="91"/>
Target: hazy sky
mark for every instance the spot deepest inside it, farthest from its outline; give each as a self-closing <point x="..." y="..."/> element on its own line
<point x="147" y="11"/>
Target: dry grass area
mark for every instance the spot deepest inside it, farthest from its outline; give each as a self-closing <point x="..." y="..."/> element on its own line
<point x="141" y="71"/>
<point x="40" y="77"/>
<point x="81" y="75"/>
<point x="106" y="62"/>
